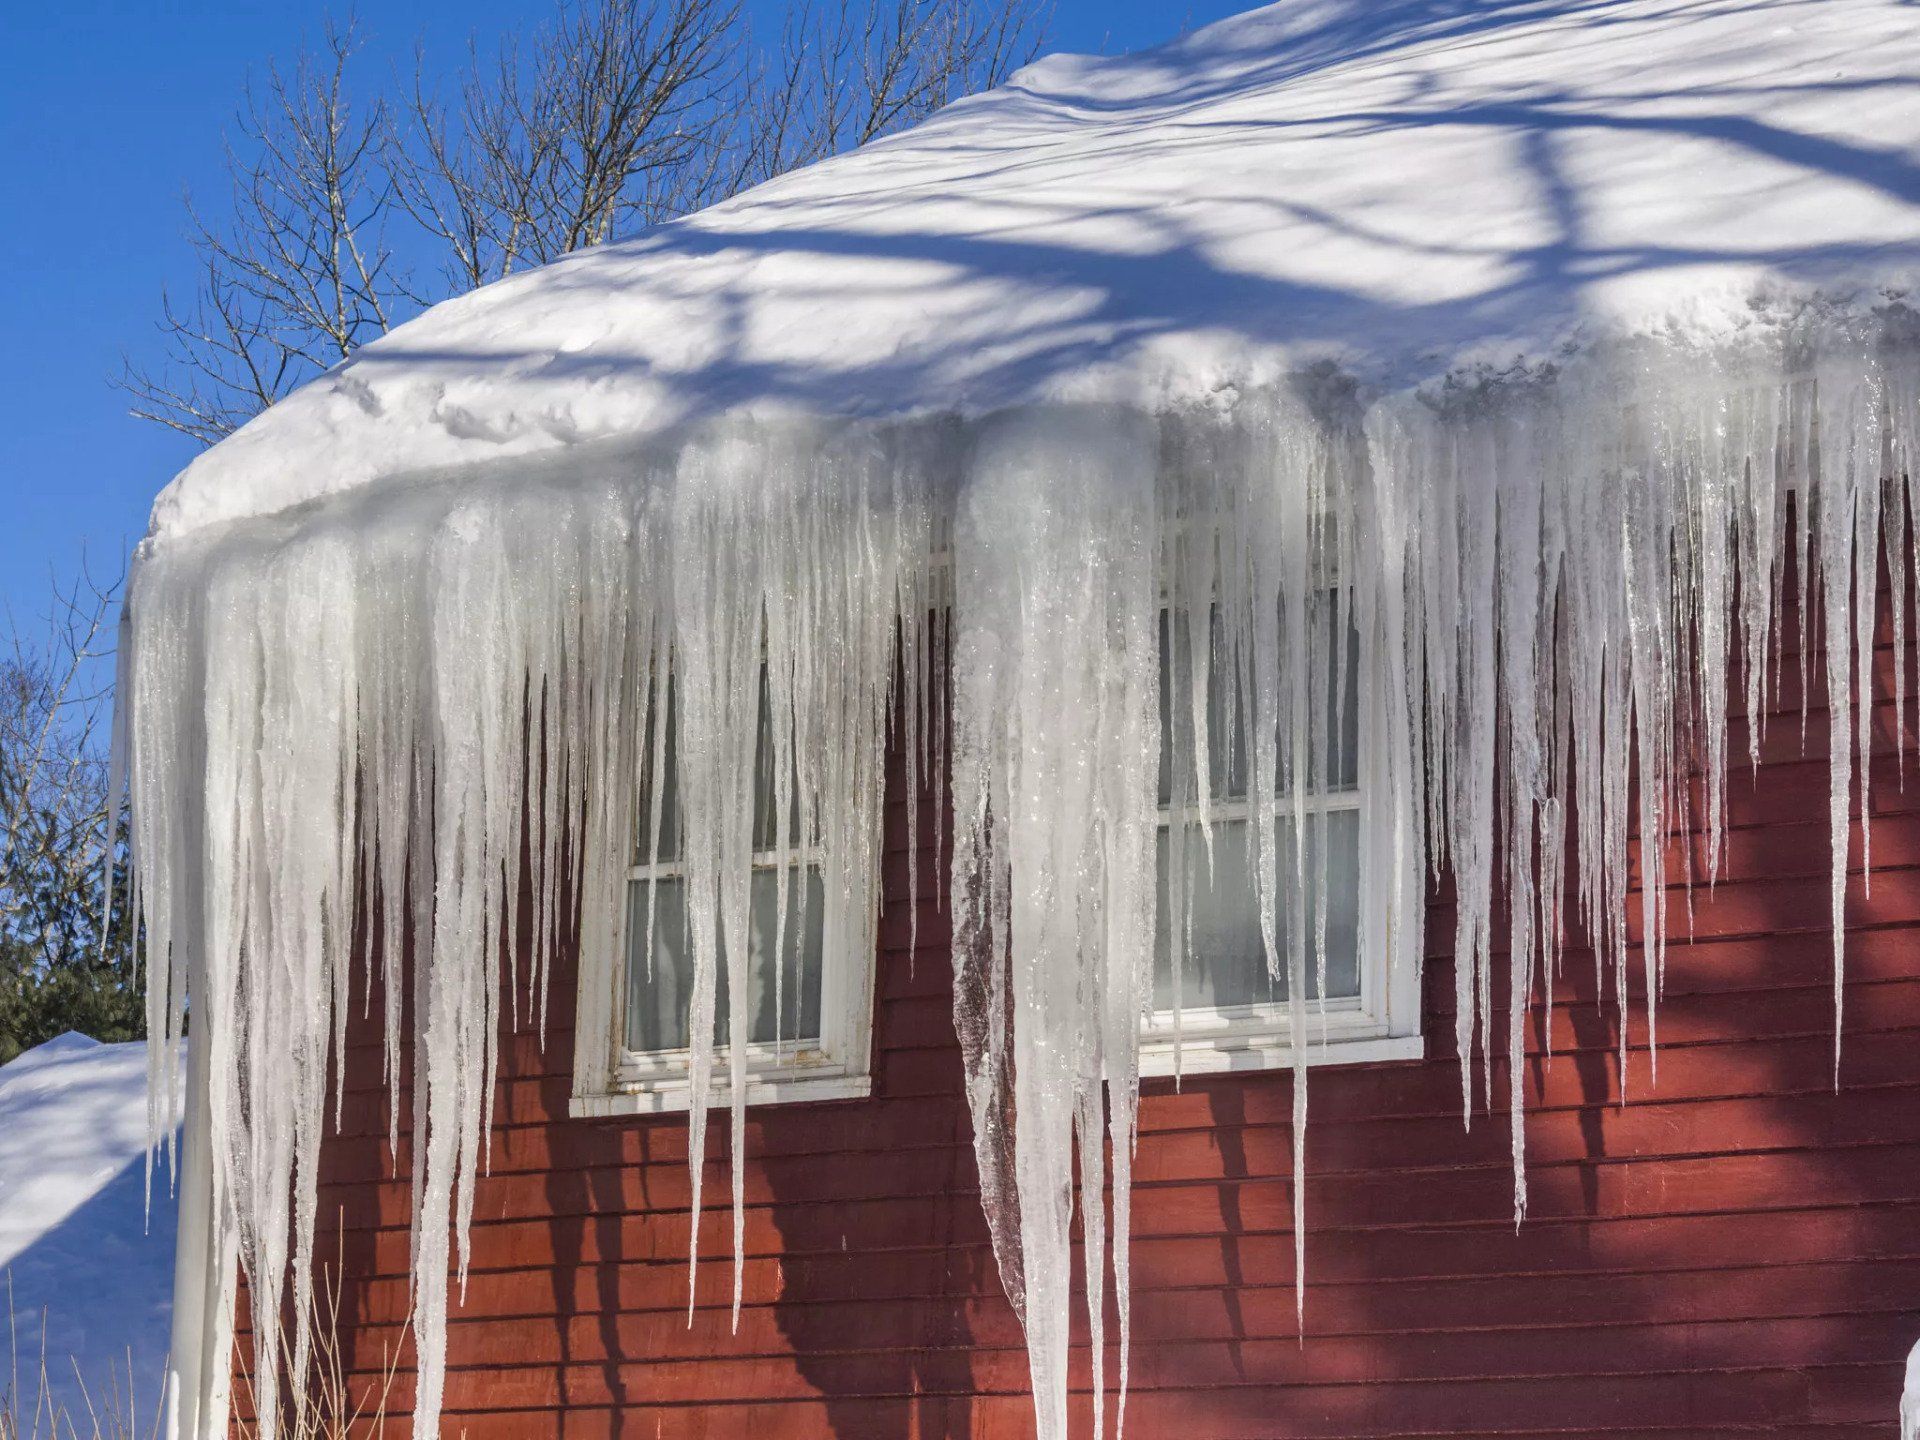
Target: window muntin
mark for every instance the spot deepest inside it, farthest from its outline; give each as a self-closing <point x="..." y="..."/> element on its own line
<point x="1225" y="962"/>
<point x="1225" y="1011"/>
<point x="809" y="977"/>
<point x="784" y="986"/>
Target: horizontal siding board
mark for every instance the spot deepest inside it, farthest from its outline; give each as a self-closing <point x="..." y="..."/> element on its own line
<point x="1549" y="1323"/>
<point x="1735" y="1251"/>
<point x="1722" y="1068"/>
<point x="1362" y="1198"/>
<point x="1225" y="1405"/>
<point x="605" y="1176"/>
<point x="1696" y="1247"/>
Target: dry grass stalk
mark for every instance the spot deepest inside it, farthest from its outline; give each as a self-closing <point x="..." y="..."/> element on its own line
<point x="325" y="1407"/>
<point x="32" y="1409"/>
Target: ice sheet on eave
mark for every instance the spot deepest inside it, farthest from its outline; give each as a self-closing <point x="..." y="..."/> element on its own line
<point x="1404" y="188"/>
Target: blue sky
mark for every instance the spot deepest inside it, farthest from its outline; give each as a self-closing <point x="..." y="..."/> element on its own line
<point x="109" y="113"/>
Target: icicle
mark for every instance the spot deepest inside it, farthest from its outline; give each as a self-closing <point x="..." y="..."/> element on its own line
<point x="437" y="710"/>
<point x="415" y="712"/>
<point x="792" y="553"/>
<point x="1910" y="1397"/>
<point x="1056" y="734"/>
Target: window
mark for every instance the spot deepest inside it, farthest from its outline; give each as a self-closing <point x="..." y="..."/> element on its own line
<point x="1222" y="1010"/>
<point x="810" y="988"/>
<point x="810" y="974"/>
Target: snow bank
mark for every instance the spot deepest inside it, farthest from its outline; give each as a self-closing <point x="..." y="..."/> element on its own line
<point x="77" y="1244"/>
<point x="1545" y="347"/>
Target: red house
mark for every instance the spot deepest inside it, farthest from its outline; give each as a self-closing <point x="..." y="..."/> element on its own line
<point x="1138" y="630"/>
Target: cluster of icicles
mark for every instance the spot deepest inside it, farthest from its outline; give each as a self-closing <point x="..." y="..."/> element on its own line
<point x="351" y="736"/>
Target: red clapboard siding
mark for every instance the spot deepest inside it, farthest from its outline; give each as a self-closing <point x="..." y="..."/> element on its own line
<point x="1736" y="1251"/>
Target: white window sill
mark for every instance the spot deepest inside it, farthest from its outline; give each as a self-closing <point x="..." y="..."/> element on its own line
<point x="1199" y="1055"/>
<point x="674" y="1097"/>
<point x="1219" y="1055"/>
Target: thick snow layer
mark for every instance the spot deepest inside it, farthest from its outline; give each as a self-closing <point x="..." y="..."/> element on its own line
<point x="77" y="1242"/>
<point x="1405" y="187"/>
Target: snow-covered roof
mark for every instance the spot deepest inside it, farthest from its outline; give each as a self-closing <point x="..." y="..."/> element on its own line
<point x="1404" y="188"/>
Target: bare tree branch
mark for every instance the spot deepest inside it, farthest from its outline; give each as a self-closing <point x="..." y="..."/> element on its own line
<point x="849" y="71"/>
<point x="55" y="827"/>
<point x="603" y="122"/>
<point x="295" y="276"/>
<point x="616" y="115"/>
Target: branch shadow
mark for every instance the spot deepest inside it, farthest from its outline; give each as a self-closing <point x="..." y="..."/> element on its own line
<point x="955" y="268"/>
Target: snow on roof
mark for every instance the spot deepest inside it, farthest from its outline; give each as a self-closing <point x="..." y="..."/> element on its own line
<point x="1402" y="187"/>
<point x="77" y="1250"/>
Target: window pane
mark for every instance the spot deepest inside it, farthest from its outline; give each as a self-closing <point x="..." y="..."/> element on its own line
<point x="1225" y="962"/>
<point x="764" y="807"/>
<point x="1226" y="754"/>
<point x="661" y="722"/>
<point x="657" y="1003"/>
<point x="1228" y="760"/>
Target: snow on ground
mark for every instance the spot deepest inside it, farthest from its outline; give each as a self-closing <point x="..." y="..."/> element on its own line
<point x="1398" y="185"/>
<point x="75" y="1238"/>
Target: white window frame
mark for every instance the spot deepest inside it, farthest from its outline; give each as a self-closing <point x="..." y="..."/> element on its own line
<point x="656" y="1082"/>
<point x="1383" y="1022"/>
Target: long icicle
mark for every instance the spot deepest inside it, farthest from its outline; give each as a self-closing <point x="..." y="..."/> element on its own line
<point x="415" y="709"/>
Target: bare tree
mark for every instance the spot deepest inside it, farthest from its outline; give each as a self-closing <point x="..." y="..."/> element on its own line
<point x="297" y="273"/>
<point x="616" y="115"/>
<point x="607" y="118"/>
<point x="59" y="830"/>
<point x="850" y="71"/>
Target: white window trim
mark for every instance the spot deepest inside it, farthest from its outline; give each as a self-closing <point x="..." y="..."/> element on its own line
<point x="840" y="1067"/>
<point x="1383" y="1023"/>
